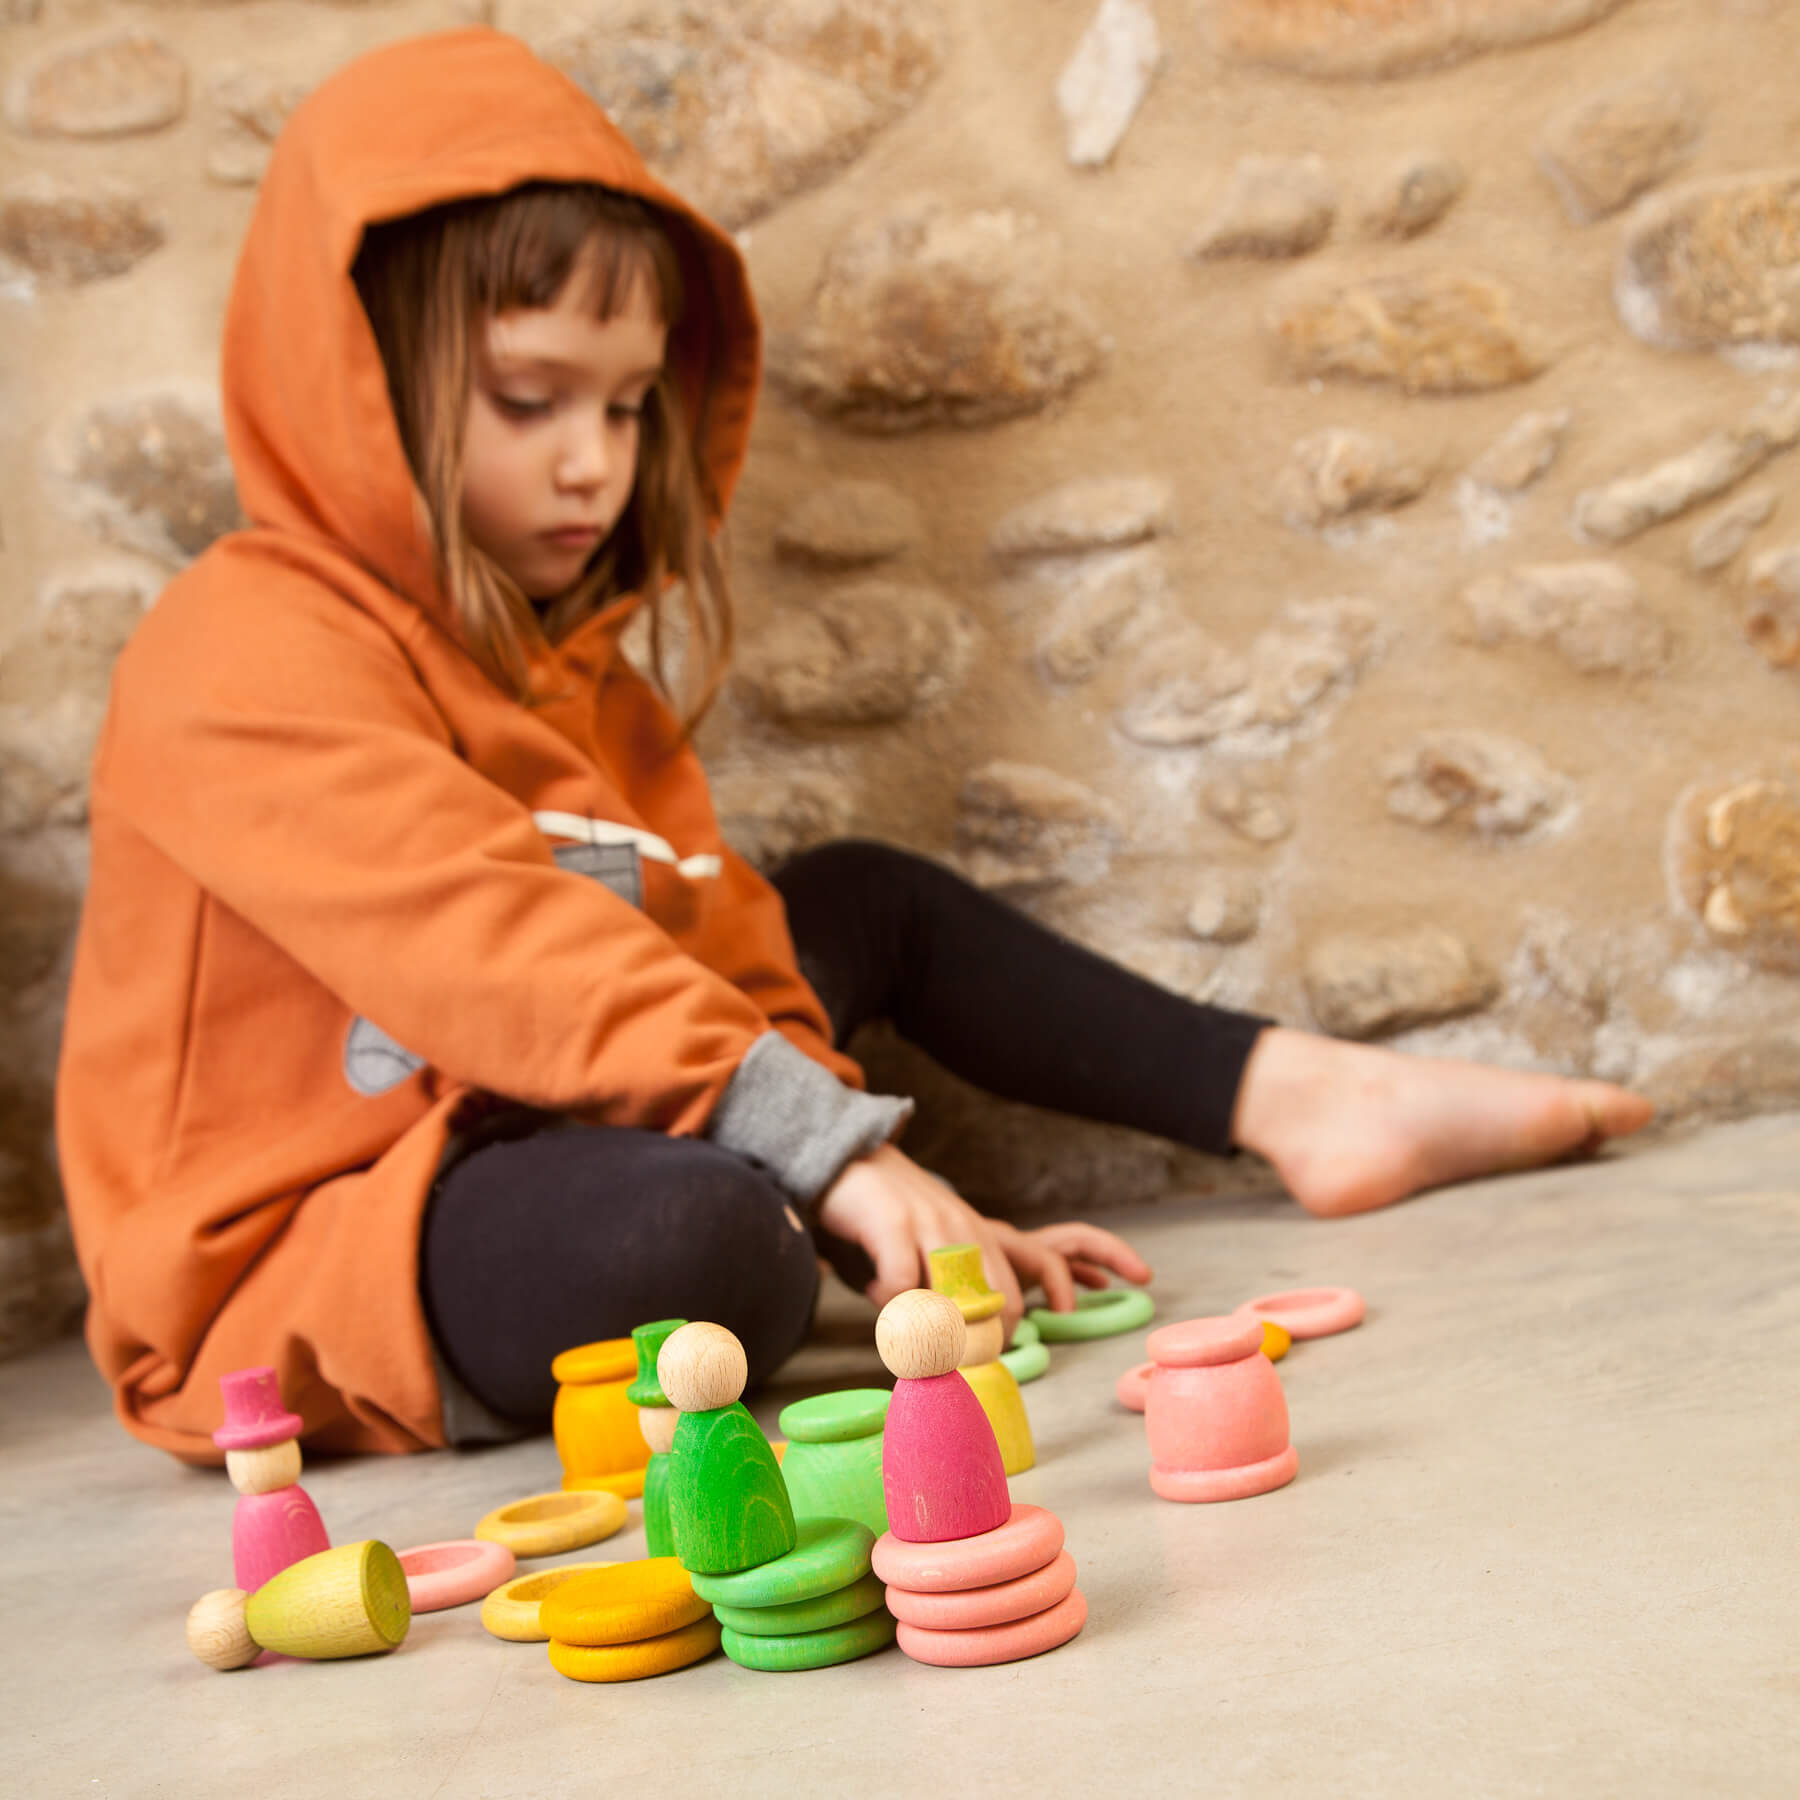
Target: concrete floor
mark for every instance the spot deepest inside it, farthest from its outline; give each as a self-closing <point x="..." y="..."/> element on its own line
<point x="1543" y="1541"/>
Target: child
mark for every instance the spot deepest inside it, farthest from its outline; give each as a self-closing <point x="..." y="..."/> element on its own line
<point x="422" y="1024"/>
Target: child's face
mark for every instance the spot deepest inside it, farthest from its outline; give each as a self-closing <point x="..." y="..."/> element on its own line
<point x="551" y="443"/>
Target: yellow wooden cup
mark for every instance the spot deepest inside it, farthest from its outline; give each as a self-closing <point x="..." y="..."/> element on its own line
<point x="596" y="1425"/>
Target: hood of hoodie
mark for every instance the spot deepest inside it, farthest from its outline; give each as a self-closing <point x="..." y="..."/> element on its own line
<point x="312" y="434"/>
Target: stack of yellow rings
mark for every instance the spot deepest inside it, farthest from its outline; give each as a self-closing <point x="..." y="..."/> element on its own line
<point x="629" y="1621"/>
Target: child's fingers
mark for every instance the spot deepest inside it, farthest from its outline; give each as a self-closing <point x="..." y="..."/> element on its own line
<point x="895" y="1255"/>
<point x="1089" y="1274"/>
<point x="1082" y="1242"/>
<point x="1039" y="1260"/>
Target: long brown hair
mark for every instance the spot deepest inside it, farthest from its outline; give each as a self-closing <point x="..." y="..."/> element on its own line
<point x="428" y="282"/>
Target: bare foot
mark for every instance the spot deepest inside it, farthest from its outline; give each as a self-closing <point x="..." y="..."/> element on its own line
<point x="1353" y="1126"/>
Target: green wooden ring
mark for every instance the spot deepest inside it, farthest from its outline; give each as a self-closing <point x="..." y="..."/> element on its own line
<point x="1101" y="1312"/>
<point x="856" y="1601"/>
<point x="1027" y="1363"/>
<point x="811" y="1649"/>
<point x="1025" y="1333"/>
<point x="828" y="1554"/>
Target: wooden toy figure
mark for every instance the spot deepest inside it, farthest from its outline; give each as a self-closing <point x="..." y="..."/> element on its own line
<point x="656" y="1423"/>
<point x="276" y="1522"/>
<point x="594" y="1422"/>
<point x="728" y="1502"/>
<point x="956" y="1271"/>
<point x="940" y="1464"/>
<point x="350" y="1601"/>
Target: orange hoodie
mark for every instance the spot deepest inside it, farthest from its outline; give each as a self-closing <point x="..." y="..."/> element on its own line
<point x="342" y="884"/>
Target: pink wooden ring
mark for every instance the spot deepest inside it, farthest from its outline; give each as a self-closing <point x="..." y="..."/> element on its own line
<point x="1310" y="1312"/>
<point x="1000" y="1604"/>
<point x="1133" y="1387"/>
<point x="455" y="1572"/>
<point x="996" y="1643"/>
<point x="1030" y="1538"/>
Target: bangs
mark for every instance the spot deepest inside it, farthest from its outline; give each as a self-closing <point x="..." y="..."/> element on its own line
<point x="522" y="249"/>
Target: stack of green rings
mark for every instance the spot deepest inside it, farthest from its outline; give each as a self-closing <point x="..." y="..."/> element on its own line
<point x="818" y="1605"/>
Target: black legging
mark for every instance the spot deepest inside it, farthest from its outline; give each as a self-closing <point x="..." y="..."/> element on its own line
<point x="558" y="1237"/>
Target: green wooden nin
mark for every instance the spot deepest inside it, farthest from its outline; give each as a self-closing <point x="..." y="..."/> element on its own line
<point x="727" y="1500"/>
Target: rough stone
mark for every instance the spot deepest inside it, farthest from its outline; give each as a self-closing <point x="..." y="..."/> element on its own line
<point x="1714" y="263"/>
<point x="1734" y="861"/>
<point x="1337" y="38"/>
<point x="1605" y="149"/>
<point x="151" y="473"/>
<point x="96" y="606"/>
<point x="741" y="107"/>
<point x="1480" y="780"/>
<point x="63" y="233"/>
<point x="1190" y="690"/>
<point x="1621" y="509"/>
<point x="1101" y="598"/>
<point x="1411" y="194"/>
<point x="1020" y="825"/>
<point x="927" y="315"/>
<point x="252" y="105"/>
<point x="20" y="12"/>
<point x="35" y="926"/>
<point x="1007" y="1158"/>
<point x="1105" y="81"/>
<point x="1227" y="906"/>
<point x="1369" y="985"/>
<point x="1717" y="540"/>
<point x="1273" y="206"/>
<point x="1438" y="332"/>
<point x="1734" y="1080"/>
<point x="1094" y="513"/>
<point x="1252" y="805"/>
<point x="1593" y="613"/>
<point x="45" y="750"/>
<point x="1335" y="472"/>
<point x="112" y="84"/>
<point x="867" y="653"/>
<point x="1772" y="611"/>
<point x="767" y="820"/>
<point x="847" y="523"/>
<point x="1522" y="452"/>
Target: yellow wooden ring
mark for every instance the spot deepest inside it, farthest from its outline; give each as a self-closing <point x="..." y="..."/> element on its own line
<point x="632" y="1662"/>
<point x="511" y="1610"/>
<point x="626" y="1604"/>
<point x="548" y="1524"/>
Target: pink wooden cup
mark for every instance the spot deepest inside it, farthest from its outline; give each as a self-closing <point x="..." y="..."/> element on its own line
<point x="1216" y="1417"/>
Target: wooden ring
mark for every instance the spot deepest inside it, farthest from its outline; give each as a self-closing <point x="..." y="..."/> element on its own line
<point x="511" y="1610"/>
<point x="1101" y="1312"/>
<point x="549" y="1524"/>
<point x="455" y="1572"/>
<point x="1310" y="1312"/>
<point x="632" y="1662"/>
<point x="990" y="1644"/>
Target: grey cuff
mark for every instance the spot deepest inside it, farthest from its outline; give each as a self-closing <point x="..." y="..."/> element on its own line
<point x="792" y="1117"/>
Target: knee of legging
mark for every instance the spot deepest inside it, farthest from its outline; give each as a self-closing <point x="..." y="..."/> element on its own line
<point x="761" y="1272"/>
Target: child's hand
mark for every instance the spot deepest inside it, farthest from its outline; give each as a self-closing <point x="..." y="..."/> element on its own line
<point x="897" y="1213"/>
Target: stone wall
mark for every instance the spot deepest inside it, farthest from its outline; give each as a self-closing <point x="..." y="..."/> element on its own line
<point x="1299" y="494"/>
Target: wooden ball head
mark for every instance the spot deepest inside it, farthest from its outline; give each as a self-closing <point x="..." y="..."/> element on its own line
<point x="264" y="1471"/>
<point x="216" y="1632"/>
<point x="658" y="1423"/>
<point x="702" y="1367"/>
<point x="987" y="1338"/>
<point x="920" y="1334"/>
